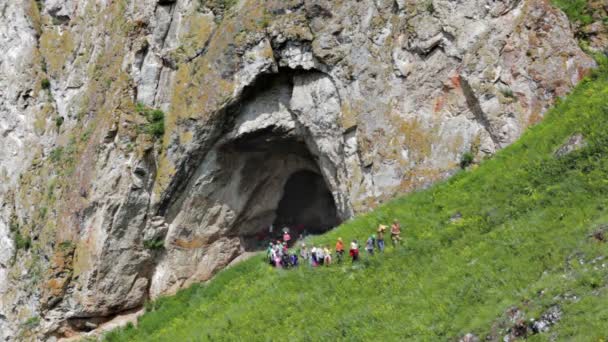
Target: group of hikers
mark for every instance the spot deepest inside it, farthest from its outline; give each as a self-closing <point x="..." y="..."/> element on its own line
<point x="279" y="255"/>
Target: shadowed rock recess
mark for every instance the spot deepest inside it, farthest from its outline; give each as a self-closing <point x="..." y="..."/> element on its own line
<point x="148" y="144"/>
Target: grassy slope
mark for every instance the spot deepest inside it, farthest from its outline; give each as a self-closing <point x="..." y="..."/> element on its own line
<point x="526" y="220"/>
<point x="578" y="11"/>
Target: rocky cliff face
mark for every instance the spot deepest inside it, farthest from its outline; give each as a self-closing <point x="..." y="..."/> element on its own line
<point x="344" y="104"/>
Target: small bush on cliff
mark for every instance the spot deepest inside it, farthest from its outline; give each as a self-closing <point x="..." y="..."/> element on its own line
<point x="59" y="121"/>
<point x="22" y="242"/>
<point x="156" y="120"/>
<point x="56" y="154"/>
<point x="154" y="244"/>
<point x="156" y="123"/>
<point x="67" y="246"/>
<point x="45" y="84"/>
<point x="466" y="160"/>
<point x="31" y="322"/>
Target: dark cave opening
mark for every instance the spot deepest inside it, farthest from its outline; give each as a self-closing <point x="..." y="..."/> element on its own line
<point x="286" y="189"/>
<point x="307" y="205"/>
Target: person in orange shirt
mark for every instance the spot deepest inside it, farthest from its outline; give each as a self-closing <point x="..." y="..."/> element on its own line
<point x="339" y="250"/>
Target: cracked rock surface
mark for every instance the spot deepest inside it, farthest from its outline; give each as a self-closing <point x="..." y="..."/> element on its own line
<point x="368" y="99"/>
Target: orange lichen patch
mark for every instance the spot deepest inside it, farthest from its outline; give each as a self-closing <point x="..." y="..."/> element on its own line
<point x="582" y="73"/>
<point x="166" y="171"/>
<point x="536" y="113"/>
<point x="416" y="138"/>
<point x="439" y="103"/>
<point x="534" y="118"/>
<point x="56" y="286"/>
<point x="456" y="81"/>
<point x="456" y="144"/>
<point x="185" y="137"/>
<point x="350" y="115"/>
<point x="56" y="46"/>
<point x="294" y="26"/>
<point x="188" y="244"/>
<point x="198" y="30"/>
<point x="59" y="274"/>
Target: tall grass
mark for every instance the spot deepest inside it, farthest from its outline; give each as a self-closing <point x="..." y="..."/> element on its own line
<point x="578" y="11"/>
<point x="523" y="240"/>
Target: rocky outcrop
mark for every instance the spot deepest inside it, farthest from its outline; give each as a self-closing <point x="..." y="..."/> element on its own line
<point x="349" y="103"/>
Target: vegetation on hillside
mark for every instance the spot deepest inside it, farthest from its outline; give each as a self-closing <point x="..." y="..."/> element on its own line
<point x="155" y="125"/>
<point x="578" y="11"/>
<point x="522" y="232"/>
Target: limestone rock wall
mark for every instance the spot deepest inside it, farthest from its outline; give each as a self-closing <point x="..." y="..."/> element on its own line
<point x="379" y="97"/>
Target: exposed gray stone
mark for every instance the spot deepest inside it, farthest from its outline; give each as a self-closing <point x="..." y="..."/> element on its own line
<point x="574" y="143"/>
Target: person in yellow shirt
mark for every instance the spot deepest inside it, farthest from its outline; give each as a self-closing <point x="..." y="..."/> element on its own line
<point x="381" y="231"/>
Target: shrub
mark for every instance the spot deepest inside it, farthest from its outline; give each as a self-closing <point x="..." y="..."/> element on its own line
<point x="56" y="154"/>
<point x="86" y="135"/>
<point x="32" y="322"/>
<point x="42" y="212"/>
<point x="59" y="121"/>
<point x="140" y="108"/>
<point x="45" y="84"/>
<point x="154" y="244"/>
<point x="22" y="242"/>
<point x="466" y="160"/>
<point x="156" y="123"/>
<point x="507" y="92"/>
<point x="156" y="120"/>
<point x="66" y="246"/>
<point x="151" y="306"/>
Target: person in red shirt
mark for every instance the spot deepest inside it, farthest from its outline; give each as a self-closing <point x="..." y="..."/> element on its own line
<point x="354" y="250"/>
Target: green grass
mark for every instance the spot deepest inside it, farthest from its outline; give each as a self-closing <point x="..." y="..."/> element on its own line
<point x="578" y="11"/>
<point x="156" y="121"/>
<point x="523" y="240"/>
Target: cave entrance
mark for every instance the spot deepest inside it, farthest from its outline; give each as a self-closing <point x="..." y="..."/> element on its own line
<point x="273" y="178"/>
<point x="307" y="205"/>
<point x="284" y="187"/>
